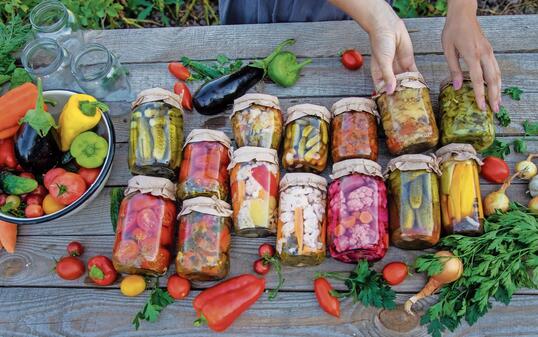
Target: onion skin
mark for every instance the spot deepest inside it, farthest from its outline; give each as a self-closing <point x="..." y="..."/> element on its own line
<point x="533" y="205"/>
<point x="498" y="200"/>
<point x="533" y="187"/>
<point x="527" y="168"/>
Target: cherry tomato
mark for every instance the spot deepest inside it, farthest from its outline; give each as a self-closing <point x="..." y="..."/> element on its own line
<point x="261" y="267"/>
<point x="89" y="175"/>
<point x="266" y="250"/>
<point x="166" y="236"/>
<point x="132" y="285"/>
<point x="160" y="263"/>
<point x="182" y="88"/>
<point x="3" y="198"/>
<point x="34" y="200"/>
<point x="178" y="287"/>
<point x="139" y="234"/>
<point x="494" y="170"/>
<point x="225" y="238"/>
<point x="169" y="214"/>
<point x="127" y="251"/>
<point x="27" y="175"/>
<point x="395" y="273"/>
<point x="51" y="174"/>
<point x="33" y="211"/>
<point x="148" y="248"/>
<point x="147" y="220"/>
<point x="67" y="187"/>
<point x="75" y="248"/>
<point x="179" y="71"/>
<point x="352" y="59"/>
<point x="40" y="191"/>
<point x="70" y="268"/>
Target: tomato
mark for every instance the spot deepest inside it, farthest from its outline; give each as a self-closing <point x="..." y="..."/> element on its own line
<point x="33" y="211"/>
<point x="169" y="214"/>
<point x="39" y="191"/>
<point x="3" y="198"/>
<point x="179" y="71"/>
<point x="132" y="285"/>
<point x="50" y="205"/>
<point x="129" y="222"/>
<point x="139" y="234"/>
<point x="178" y="287"/>
<point x="67" y="187"/>
<point x="160" y="263"/>
<point x="266" y="250"/>
<point x="127" y="251"/>
<point x="27" y="175"/>
<point x="181" y="88"/>
<point x="141" y="201"/>
<point x="148" y="220"/>
<point x="101" y="270"/>
<point x="75" y="248"/>
<point x="70" y="268"/>
<point x="261" y="266"/>
<point x="34" y="200"/>
<point x="51" y="174"/>
<point x="494" y="170"/>
<point x="352" y="59"/>
<point x="148" y="248"/>
<point x="225" y="238"/>
<point x="329" y="303"/>
<point x="89" y="175"/>
<point x="166" y="236"/>
<point x="395" y="273"/>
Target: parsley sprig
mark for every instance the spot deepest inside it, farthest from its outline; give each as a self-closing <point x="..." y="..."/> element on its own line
<point x="513" y="92"/>
<point x="157" y="301"/>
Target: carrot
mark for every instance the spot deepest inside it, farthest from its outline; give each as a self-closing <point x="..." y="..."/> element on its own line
<point x="365" y="217"/>
<point x="14" y="105"/>
<point x="8" y="236"/>
<point x="298" y="223"/>
<point x="7" y="133"/>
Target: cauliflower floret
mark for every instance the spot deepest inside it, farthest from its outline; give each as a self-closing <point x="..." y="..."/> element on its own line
<point x="360" y="198"/>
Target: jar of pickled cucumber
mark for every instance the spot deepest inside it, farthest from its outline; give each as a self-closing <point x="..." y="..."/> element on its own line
<point x="156" y="133"/>
<point x="204" y="168"/>
<point x="354" y="129"/>
<point x="414" y="211"/>
<point x="257" y="121"/>
<point x="254" y="178"/>
<point x="204" y="239"/>
<point x="461" y="201"/>
<point x="301" y="219"/>
<point x="306" y="142"/>
<point x="407" y="115"/>
<point x="462" y="121"/>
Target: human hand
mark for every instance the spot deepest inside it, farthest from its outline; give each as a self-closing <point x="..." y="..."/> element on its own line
<point x="462" y="37"/>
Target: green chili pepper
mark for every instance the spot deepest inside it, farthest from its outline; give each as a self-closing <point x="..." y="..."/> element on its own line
<point x="284" y="69"/>
<point x="201" y="68"/>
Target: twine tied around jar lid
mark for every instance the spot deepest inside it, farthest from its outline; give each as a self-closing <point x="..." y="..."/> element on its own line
<point x="355" y="104"/>
<point x="413" y="80"/>
<point x="251" y="153"/>
<point x="206" y="205"/>
<point x="159" y="187"/>
<point x="362" y="166"/>
<point x="156" y="95"/>
<point x="302" y="110"/>
<point x="458" y="152"/>
<point x="413" y="162"/>
<point x="247" y="100"/>
<point x="303" y="179"/>
<point x="208" y="135"/>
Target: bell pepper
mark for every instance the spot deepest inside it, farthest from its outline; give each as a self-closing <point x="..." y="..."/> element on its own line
<point x="7" y="154"/>
<point x="101" y="270"/>
<point x="265" y="178"/>
<point x="81" y="113"/>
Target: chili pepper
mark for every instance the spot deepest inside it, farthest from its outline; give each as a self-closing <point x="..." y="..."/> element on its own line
<point x="7" y="153"/>
<point x="101" y="270"/>
<point x="495" y="170"/>
<point x="326" y="300"/>
<point x="284" y="69"/>
<point x="180" y="88"/>
<point x="201" y="68"/>
<point x="179" y="71"/>
<point x="229" y="285"/>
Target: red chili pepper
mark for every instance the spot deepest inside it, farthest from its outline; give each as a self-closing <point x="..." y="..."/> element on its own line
<point x="179" y="71"/>
<point x="7" y="154"/>
<point x="219" y="289"/>
<point x="494" y="170"/>
<point x="265" y="178"/>
<point x="101" y="270"/>
<point x="182" y="88"/>
<point x="326" y="300"/>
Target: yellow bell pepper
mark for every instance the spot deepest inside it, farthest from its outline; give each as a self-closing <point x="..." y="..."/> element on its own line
<point x="80" y="113"/>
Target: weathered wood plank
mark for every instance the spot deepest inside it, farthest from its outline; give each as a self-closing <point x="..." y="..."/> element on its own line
<point x="320" y="39"/>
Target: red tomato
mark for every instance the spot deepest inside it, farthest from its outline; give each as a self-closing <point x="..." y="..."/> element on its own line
<point x="127" y="251"/>
<point x="27" y="175"/>
<point x="139" y="234"/>
<point x="182" y="88"/>
<point x="494" y="170"/>
<point x="75" y="248"/>
<point x="40" y="191"/>
<point x="352" y="59"/>
<point x="178" y="287"/>
<point x="148" y="248"/>
<point x="70" y="268"/>
<point x="33" y="211"/>
<point x="261" y="267"/>
<point x="395" y="273"/>
<point x="166" y="236"/>
<point x="3" y="198"/>
<point x="129" y="222"/>
<point x="179" y="71"/>
<point x="147" y="220"/>
<point x="67" y="187"/>
<point x="169" y="214"/>
<point x="266" y="250"/>
<point x="160" y="263"/>
<point x="141" y="201"/>
<point x="34" y="200"/>
<point x="89" y="175"/>
<point x="51" y="174"/>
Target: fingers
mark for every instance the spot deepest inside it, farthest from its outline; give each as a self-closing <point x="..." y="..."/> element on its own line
<point x="405" y="57"/>
<point x="383" y="49"/>
<point x="477" y="77"/>
<point x="492" y="75"/>
<point x="453" y="62"/>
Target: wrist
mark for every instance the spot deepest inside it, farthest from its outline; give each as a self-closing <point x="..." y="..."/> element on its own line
<point x="371" y="15"/>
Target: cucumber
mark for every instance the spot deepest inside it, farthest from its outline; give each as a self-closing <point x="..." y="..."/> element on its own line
<point x="15" y="185"/>
<point x="116" y="196"/>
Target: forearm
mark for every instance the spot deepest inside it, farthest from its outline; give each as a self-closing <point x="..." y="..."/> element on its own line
<point x="369" y="14"/>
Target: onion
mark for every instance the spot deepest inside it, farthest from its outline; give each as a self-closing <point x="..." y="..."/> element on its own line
<point x="533" y="186"/>
<point x="498" y="199"/>
<point x="527" y="168"/>
<point x="533" y="205"/>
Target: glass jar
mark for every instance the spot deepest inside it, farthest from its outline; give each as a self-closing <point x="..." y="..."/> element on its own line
<point x="257" y="121"/>
<point x="204" y="239"/>
<point x="302" y="221"/>
<point x="204" y="168"/>
<point x="462" y="121"/>
<point x="358" y="215"/>
<point x="461" y="201"/>
<point x="146" y="225"/>
<point x="306" y="142"/>
<point x="407" y="115"/>
<point x="354" y="129"/>
<point x="156" y="133"/>
<point x="51" y="19"/>
<point x="99" y="73"/>
<point x="414" y="211"/>
<point x="254" y="178"/>
<point x="45" y="58"/>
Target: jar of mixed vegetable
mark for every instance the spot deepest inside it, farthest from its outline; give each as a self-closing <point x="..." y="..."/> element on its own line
<point x="254" y="178"/>
<point x="204" y="239"/>
<point x="301" y="219"/>
<point x="462" y="121"/>
<point x="414" y="211"/>
<point x="461" y="201"/>
<point x="156" y="133"/>
<point x="358" y="215"/>
<point x="145" y="227"/>
<point x="257" y="121"/>
<point x="306" y="143"/>
<point x="407" y="115"/>
<point x="204" y="169"/>
<point x="354" y="129"/>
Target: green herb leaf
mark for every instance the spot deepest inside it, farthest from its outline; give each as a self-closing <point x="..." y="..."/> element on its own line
<point x="520" y="145"/>
<point x="96" y="273"/>
<point x="157" y="301"/>
<point x="531" y="128"/>
<point x="513" y="92"/>
<point x="19" y="77"/>
<point x="503" y="117"/>
<point x="39" y="119"/>
<point x="428" y="263"/>
<point x="498" y="149"/>
<point x="222" y="59"/>
<point x="90" y="108"/>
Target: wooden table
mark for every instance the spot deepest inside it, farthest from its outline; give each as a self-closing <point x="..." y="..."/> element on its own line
<point x="35" y="302"/>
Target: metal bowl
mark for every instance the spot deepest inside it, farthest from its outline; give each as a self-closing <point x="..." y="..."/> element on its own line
<point x="105" y="128"/>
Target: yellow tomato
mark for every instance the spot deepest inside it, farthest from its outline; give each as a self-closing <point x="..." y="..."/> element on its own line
<point x="133" y="285"/>
<point x="50" y="205"/>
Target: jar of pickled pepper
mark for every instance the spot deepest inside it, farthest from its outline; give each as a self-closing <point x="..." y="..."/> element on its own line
<point x="414" y="211"/>
<point x="354" y="129"/>
<point x="306" y="142"/>
<point x="257" y="121"/>
<point x="254" y="178"/>
<point x="145" y="228"/>
<point x="462" y="121"/>
<point x="461" y="201"/>
<point x="156" y="133"/>
<point x="358" y="215"/>
<point x="204" y="239"/>
<point x="407" y="115"/>
<point x="301" y="219"/>
<point x="204" y="168"/>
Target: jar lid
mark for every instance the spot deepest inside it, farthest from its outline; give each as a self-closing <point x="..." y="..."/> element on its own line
<point x="250" y="153"/>
<point x="159" y="187"/>
<point x="355" y="104"/>
<point x="458" y="152"/>
<point x="155" y="95"/>
<point x="301" y="110"/>
<point x="208" y="135"/>
<point x="205" y="205"/>
<point x="362" y="166"/>
<point x="404" y="80"/>
<point x="247" y="100"/>
<point x="413" y="162"/>
<point x="303" y="179"/>
<point x="448" y="80"/>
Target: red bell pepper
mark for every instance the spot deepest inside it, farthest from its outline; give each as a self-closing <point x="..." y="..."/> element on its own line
<point x="326" y="300"/>
<point x="265" y="178"/>
<point x="7" y="154"/>
<point x="101" y="270"/>
<point x="494" y="170"/>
